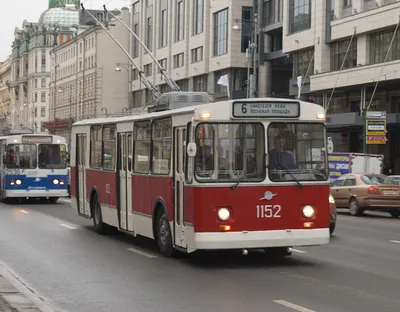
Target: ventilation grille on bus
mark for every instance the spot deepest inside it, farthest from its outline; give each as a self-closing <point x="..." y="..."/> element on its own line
<point x="175" y="100"/>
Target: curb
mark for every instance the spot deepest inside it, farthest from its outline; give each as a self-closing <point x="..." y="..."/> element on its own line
<point x="11" y="300"/>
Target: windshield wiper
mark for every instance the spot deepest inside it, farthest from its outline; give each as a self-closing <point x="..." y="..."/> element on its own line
<point x="291" y="175"/>
<point x="244" y="174"/>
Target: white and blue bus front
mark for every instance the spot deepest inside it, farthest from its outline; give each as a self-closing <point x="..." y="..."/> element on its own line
<point x="36" y="167"/>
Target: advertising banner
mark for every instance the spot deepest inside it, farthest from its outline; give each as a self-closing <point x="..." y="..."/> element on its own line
<point x="339" y="164"/>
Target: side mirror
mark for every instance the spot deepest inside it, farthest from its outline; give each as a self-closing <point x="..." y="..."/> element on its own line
<point x="191" y="149"/>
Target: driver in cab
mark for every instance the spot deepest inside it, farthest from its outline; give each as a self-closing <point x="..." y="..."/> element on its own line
<point x="279" y="159"/>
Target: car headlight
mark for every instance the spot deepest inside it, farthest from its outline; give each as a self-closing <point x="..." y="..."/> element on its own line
<point x="308" y="211"/>
<point x="55" y="181"/>
<point x="18" y="182"/>
<point x="331" y="199"/>
<point x="223" y="214"/>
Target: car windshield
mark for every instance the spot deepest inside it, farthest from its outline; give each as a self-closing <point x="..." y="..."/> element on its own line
<point x="297" y="152"/>
<point x="229" y="152"/>
<point x="22" y="156"/>
<point x="373" y="179"/>
<point x="52" y="156"/>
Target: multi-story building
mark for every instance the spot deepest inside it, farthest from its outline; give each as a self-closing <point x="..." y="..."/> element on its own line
<point x="341" y="46"/>
<point x="5" y="101"/>
<point x="199" y="41"/>
<point x="84" y="80"/>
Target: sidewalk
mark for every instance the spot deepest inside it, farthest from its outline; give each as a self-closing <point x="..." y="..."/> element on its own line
<point x="11" y="300"/>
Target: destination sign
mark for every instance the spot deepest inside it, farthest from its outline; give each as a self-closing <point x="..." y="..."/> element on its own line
<point x="266" y="109"/>
<point x="37" y="139"/>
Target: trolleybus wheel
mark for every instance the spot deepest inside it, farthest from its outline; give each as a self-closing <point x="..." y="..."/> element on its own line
<point x="99" y="226"/>
<point x="278" y="251"/>
<point x="163" y="232"/>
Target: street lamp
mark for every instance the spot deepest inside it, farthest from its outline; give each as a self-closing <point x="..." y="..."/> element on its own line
<point x="251" y="52"/>
<point x="127" y="68"/>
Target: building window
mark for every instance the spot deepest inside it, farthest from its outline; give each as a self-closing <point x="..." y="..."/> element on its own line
<point x="35" y="112"/>
<point x="301" y="62"/>
<point x="135" y="74"/>
<point x="43" y="111"/>
<point x="135" y="41"/>
<point x="141" y="157"/>
<point x="299" y="15"/>
<point x="247" y="23"/>
<point x="149" y="34"/>
<point x="163" y="64"/>
<point x="379" y="45"/>
<point x="148" y="69"/>
<point x="338" y="51"/>
<point x="43" y="82"/>
<point x="180" y="23"/>
<point x="36" y="97"/>
<point x="200" y="83"/>
<point x="178" y="60"/>
<point x="346" y="3"/>
<point x="43" y="97"/>
<point x="198" y="16"/>
<point x="36" y="83"/>
<point x="221" y="32"/>
<point x="197" y="54"/>
<point x="269" y="11"/>
<point x="162" y="141"/>
<point x="43" y="61"/>
<point x="164" y="28"/>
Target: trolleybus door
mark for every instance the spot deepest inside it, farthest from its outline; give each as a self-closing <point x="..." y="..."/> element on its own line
<point x="124" y="183"/>
<point x="179" y="180"/>
<point x="81" y="149"/>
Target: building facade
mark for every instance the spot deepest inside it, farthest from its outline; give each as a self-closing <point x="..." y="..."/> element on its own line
<point x="5" y="90"/>
<point x="84" y="80"/>
<point x="341" y="46"/>
<point x="197" y="42"/>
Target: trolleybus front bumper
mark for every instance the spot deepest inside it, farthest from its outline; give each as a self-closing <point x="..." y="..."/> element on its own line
<point x="261" y="239"/>
<point x="36" y="193"/>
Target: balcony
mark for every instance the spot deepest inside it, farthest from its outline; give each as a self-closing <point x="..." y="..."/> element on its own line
<point x="360" y="75"/>
<point x="367" y="21"/>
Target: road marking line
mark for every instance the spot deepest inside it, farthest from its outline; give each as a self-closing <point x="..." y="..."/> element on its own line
<point x="68" y="226"/>
<point x="395" y="241"/>
<point x="297" y="250"/>
<point x="143" y="253"/>
<point x="292" y="306"/>
<point x="24" y="211"/>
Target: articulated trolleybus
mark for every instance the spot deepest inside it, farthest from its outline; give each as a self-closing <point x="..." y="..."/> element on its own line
<point x="33" y="166"/>
<point x="193" y="175"/>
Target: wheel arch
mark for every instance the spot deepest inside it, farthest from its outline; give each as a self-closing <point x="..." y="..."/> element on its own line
<point x="93" y="191"/>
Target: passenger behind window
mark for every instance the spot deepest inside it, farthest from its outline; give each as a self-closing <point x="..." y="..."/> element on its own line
<point x="279" y="158"/>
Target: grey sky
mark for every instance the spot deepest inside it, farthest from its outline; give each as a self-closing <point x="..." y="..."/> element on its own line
<point x="19" y="10"/>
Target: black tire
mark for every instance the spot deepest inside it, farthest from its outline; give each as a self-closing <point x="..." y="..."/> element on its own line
<point x="99" y="227"/>
<point x="354" y="208"/>
<point x="395" y="213"/>
<point x="278" y="252"/>
<point x="53" y="199"/>
<point x="332" y="228"/>
<point x="163" y="234"/>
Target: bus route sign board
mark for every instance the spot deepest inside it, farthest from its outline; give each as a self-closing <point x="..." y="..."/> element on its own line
<point x="376" y="115"/>
<point x="376" y="127"/>
<point x="271" y="109"/>
<point x="376" y="139"/>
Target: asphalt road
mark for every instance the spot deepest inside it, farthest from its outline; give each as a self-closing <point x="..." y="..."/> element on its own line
<point x="59" y="256"/>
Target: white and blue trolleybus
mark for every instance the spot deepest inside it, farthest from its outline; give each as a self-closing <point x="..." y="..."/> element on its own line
<point x="33" y="166"/>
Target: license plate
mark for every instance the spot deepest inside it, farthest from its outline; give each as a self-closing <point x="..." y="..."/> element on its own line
<point x="390" y="192"/>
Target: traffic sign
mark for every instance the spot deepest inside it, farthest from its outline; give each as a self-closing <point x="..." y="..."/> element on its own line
<point x="376" y="115"/>
<point x="376" y="139"/>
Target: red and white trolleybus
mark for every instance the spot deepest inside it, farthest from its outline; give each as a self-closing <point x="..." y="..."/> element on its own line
<point x="196" y="175"/>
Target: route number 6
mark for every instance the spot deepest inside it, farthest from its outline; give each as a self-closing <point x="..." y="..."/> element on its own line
<point x="244" y="108"/>
<point x="268" y="211"/>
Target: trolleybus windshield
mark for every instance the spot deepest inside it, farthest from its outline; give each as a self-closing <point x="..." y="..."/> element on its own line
<point x="52" y="156"/>
<point x="22" y="156"/>
<point x="227" y="152"/>
<point x="296" y="151"/>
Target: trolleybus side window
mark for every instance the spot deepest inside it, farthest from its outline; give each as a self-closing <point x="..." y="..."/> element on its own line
<point x="109" y="147"/>
<point x="23" y="156"/>
<point x="161" y="146"/>
<point x="96" y="141"/>
<point x="230" y="151"/>
<point x="142" y="139"/>
<point x="295" y="152"/>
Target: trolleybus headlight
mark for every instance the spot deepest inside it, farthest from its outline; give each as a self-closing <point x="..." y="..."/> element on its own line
<point x="12" y="182"/>
<point x="308" y="211"/>
<point x="55" y="181"/>
<point x="18" y="182"/>
<point x="331" y="199"/>
<point x="223" y="214"/>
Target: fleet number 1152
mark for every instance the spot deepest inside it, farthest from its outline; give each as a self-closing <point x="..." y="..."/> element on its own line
<point x="268" y="211"/>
